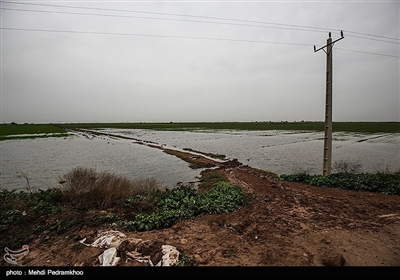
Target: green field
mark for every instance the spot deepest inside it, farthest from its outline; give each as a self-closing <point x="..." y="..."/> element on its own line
<point x="18" y="131"/>
<point x="363" y="127"/>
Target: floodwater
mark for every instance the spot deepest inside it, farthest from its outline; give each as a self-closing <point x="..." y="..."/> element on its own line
<point x="283" y="152"/>
<point x="41" y="162"/>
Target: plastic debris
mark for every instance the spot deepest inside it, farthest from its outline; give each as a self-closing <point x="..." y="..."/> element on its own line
<point x="138" y="257"/>
<point x="109" y="257"/>
<point x="107" y="239"/>
<point x="114" y="241"/>
<point x="170" y="256"/>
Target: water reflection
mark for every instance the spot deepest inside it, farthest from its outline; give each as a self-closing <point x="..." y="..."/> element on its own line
<point x="284" y="152"/>
<point x="43" y="161"/>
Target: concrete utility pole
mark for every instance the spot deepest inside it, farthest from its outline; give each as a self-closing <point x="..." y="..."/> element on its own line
<point x="328" y="104"/>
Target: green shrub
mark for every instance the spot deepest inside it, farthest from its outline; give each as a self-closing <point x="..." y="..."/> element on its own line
<point x="224" y="197"/>
<point x="380" y="182"/>
<point x="185" y="203"/>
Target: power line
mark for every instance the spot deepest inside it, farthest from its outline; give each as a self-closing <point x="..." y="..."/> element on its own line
<point x="197" y="21"/>
<point x="168" y="19"/>
<point x="313" y="29"/>
<point x="372" y="35"/>
<point x="398" y="43"/>
<point x="169" y="14"/>
<point x="152" y="35"/>
<point x="389" y="55"/>
<point x="178" y="37"/>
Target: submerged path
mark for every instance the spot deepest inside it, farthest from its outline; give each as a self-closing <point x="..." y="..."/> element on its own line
<point x="196" y="159"/>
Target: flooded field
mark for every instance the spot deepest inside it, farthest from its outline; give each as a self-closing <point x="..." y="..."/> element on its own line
<point x="284" y="152"/>
<point x="43" y="161"/>
<point x="40" y="162"/>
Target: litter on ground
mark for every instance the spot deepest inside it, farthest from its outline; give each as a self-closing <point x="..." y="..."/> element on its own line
<point x="116" y="244"/>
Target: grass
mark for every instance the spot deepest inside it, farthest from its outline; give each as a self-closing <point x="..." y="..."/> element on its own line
<point x="380" y="182"/>
<point x="20" y="131"/>
<point x="363" y="127"/>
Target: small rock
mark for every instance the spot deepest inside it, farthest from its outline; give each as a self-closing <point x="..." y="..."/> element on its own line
<point x="183" y="241"/>
<point x="331" y="258"/>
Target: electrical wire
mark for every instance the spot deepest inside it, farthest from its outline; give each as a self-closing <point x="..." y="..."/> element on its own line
<point x="398" y="43"/>
<point x="223" y="23"/>
<point x="359" y="33"/>
<point x="309" y="28"/>
<point x="152" y="35"/>
<point x="389" y="55"/>
<point x="159" y="13"/>
<point x="316" y="29"/>
<point x="168" y="19"/>
<point x="179" y="37"/>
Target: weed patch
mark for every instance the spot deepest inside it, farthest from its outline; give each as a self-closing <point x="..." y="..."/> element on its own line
<point x="87" y="189"/>
<point x="380" y="182"/>
<point x="185" y="203"/>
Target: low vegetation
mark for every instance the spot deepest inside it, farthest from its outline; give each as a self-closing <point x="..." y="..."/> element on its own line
<point x="99" y="199"/>
<point x="346" y="166"/>
<point x="85" y="188"/>
<point x="380" y="182"/>
<point x="185" y="203"/>
<point x="348" y="176"/>
<point x="23" y="131"/>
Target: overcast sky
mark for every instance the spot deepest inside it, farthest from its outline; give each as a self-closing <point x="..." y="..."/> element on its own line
<point x="162" y="61"/>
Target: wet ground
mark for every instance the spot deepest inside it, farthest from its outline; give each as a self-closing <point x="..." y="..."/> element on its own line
<point x="287" y="224"/>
